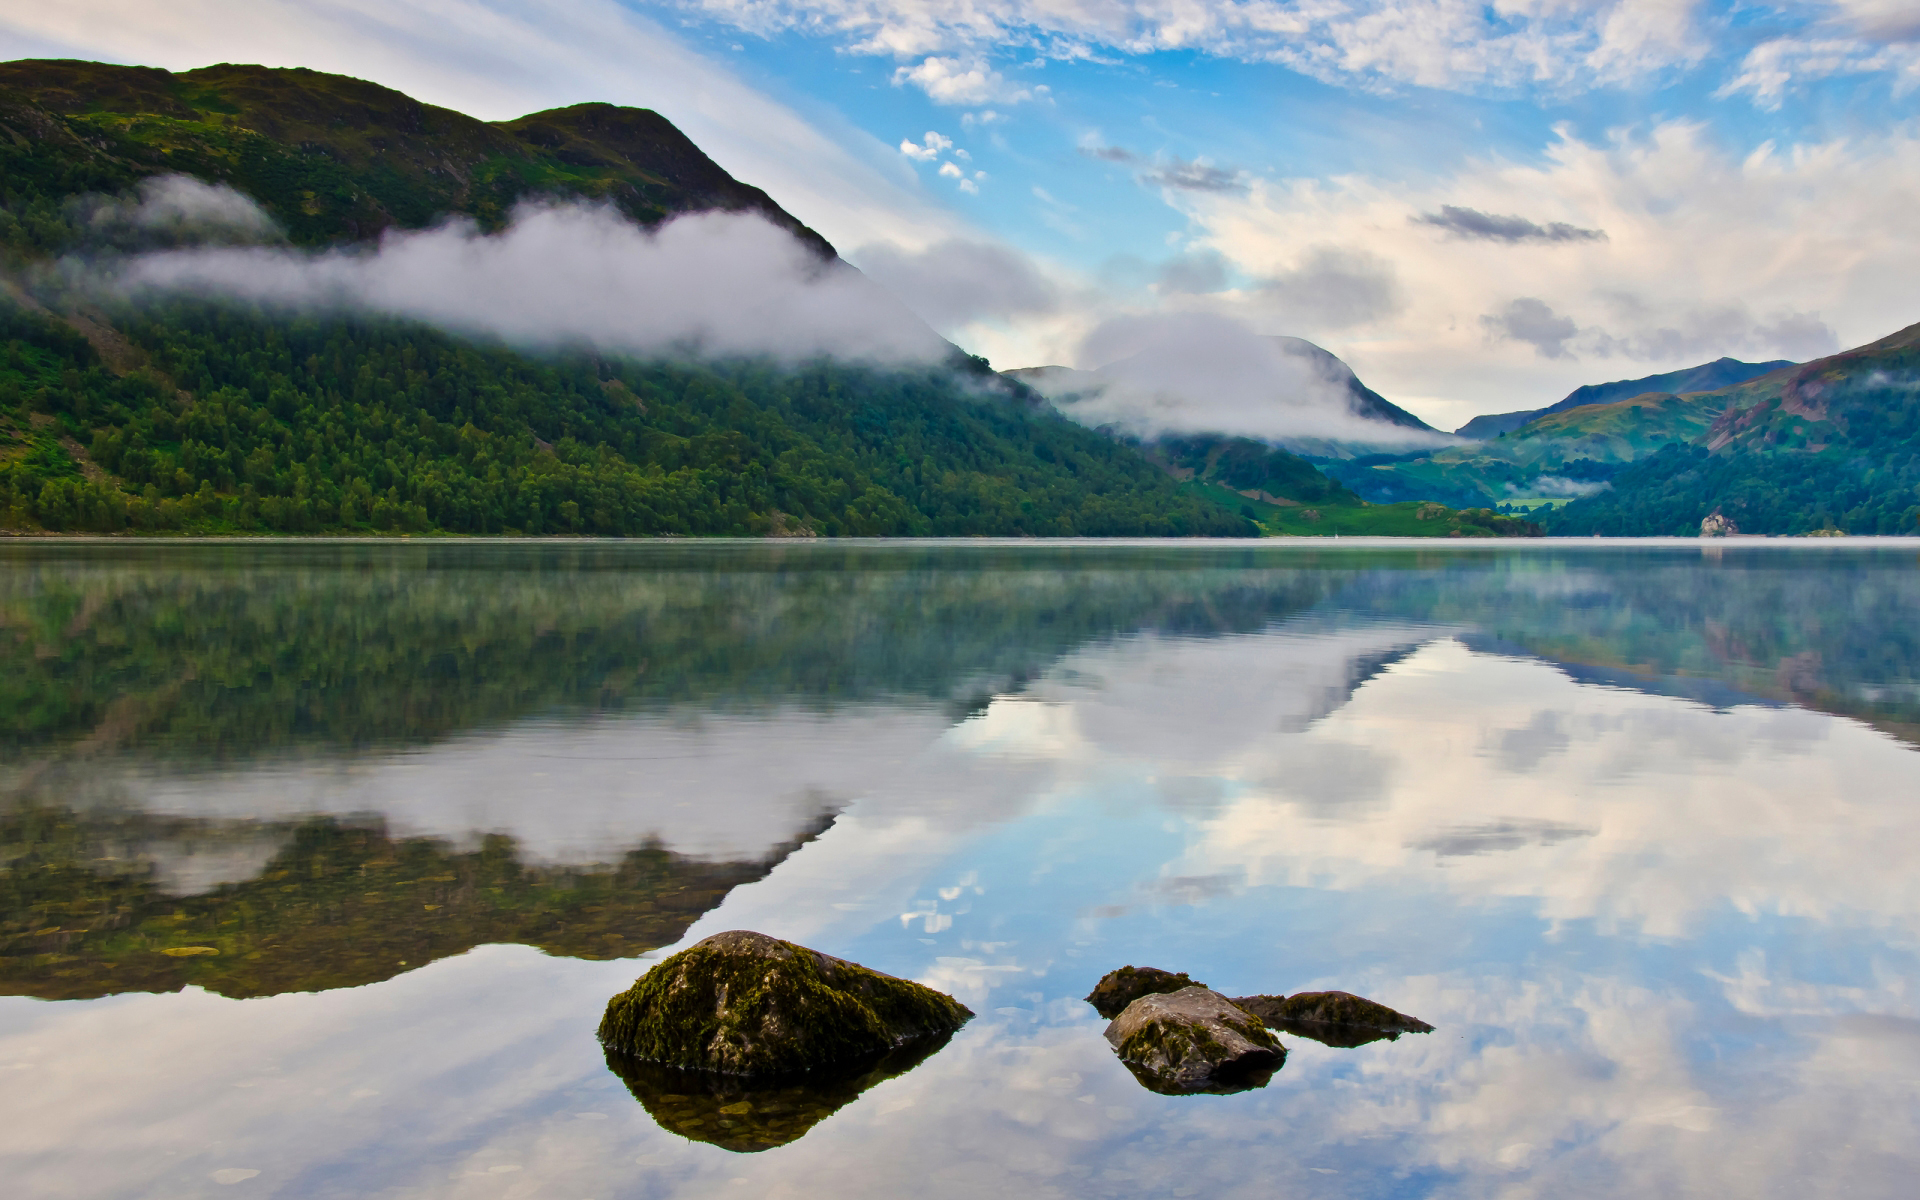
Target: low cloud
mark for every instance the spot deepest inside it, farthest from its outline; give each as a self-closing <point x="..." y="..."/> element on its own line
<point x="1534" y="322"/>
<point x="1112" y="154"/>
<point x="1204" y="373"/>
<point x="1556" y="485"/>
<point x="179" y="209"/>
<point x="1475" y="225"/>
<point x="711" y="283"/>
<point x="957" y="282"/>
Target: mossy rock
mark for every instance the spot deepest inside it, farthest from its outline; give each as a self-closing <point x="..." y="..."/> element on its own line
<point x="743" y="1003"/>
<point x="747" y="1115"/>
<point x="1193" y="1041"/>
<point x="1339" y="1017"/>
<point x="1117" y="989"/>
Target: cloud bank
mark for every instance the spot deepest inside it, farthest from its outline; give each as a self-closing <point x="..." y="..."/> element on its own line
<point x="1202" y="372"/>
<point x="717" y="284"/>
<point x="957" y="282"/>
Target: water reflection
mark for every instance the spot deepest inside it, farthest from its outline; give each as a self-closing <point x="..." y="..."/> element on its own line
<point x="749" y="1115"/>
<point x="89" y="906"/>
<point x="1632" y="828"/>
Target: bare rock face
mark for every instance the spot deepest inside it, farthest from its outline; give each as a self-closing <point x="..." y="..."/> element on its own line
<point x="1336" y="1018"/>
<point x="1194" y="1040"/>
<point x="743" y="1003"/>
<point x="1117" y="989"/>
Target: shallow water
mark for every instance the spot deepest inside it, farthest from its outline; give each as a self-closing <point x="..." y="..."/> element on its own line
<point x="1633" y="826"/>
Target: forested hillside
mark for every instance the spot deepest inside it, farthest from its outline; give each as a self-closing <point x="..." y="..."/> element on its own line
<point x="217" y="417"/>
<point x="230" y="421"/>
<point x="1833" y="445"/>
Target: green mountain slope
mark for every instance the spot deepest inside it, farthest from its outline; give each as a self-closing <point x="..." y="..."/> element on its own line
<point x="330" y="158"/>
<point x="220" y="418"/>
<point x="1831" y="445"/>
<point x="1552" y="455"/>
<point x="237" y="421"/>
<point x="1707" y="377"/>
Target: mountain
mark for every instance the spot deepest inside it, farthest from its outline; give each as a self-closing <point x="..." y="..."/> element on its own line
<point x="1362" y="400"/>
<point x="332" y="159"/>
<point x="219" y="417"/>
<point x="1567" y="449"/>
<point x="1267" y="482"/>
<point x="1829" y="446"/>
<point x="1707" y="377"/>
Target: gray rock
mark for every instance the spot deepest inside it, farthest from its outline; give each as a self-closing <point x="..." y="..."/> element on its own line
<point x="1194" y="1040"/>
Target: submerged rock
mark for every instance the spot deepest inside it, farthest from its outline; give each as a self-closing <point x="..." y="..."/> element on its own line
<point x="749" y="1114"/>
<point x="1335" y="1018"/>
<point x="1194" y="1040"/>
<point x="1117" y="989"/>
<point x="743" y="1003"/>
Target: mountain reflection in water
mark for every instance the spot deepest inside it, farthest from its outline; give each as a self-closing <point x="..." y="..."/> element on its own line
<point x="338" y="905"/>
<point x="1631" y="826"/>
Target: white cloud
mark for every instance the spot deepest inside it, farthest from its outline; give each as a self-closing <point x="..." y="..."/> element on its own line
<point x="1771" y="69"/>
<point x="1436" y="43"/>
<point x="958" y="81"/>
<point x="1706" y="254"/>
<point x="927" y="149"/>
<point x="1202" y="372"/>
<point x="182" y="207"/>
<point x="710" y="283"/>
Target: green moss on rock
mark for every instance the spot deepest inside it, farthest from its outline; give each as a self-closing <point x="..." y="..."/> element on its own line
<point x="1117" y="989"/>
<point x="743" y="1003"/>
<point x="1194" y="1040"/>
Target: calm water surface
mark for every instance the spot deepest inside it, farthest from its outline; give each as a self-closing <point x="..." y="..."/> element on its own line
<point x="320" y="861"/>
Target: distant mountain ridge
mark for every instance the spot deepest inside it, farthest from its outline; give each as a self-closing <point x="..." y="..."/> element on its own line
<point x="1707" y="377"/>
<point x="1361" y="399"/>
<point x="1831" y="445"/>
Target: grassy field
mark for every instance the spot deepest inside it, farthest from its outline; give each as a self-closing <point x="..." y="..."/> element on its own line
<point x="1410" y="519"/>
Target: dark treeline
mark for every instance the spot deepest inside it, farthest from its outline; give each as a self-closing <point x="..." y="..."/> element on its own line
<point x="1781" y="492"/>
<point x="223" y="419"/>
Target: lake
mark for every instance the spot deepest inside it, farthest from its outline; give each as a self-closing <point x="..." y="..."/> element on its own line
<point x="321" y="861"/>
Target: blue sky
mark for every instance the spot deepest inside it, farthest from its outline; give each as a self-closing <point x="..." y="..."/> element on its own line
<point x="1479" y="206"/>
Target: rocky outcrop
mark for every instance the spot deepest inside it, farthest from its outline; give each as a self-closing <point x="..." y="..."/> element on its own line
<point x="743" y="1003"/>
<point x="1324" y="1016"/>
<point x="1717" y="524"/>
<point x="1117" y="989"/>
<point x="1194" y="1040"/>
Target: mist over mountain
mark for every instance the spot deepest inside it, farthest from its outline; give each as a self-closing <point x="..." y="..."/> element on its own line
<point x="1200" y="374"/>
<point x="251" y="299"/>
